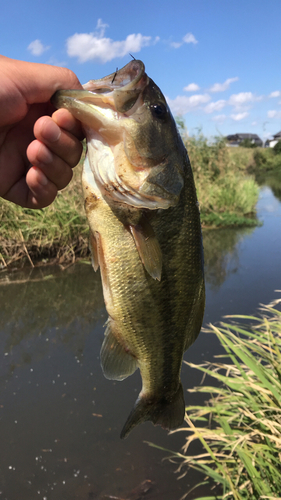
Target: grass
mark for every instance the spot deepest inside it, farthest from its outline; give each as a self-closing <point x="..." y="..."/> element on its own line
<point x="266" y="160"/>
<point x="58" y="232"/>
<point x="239" y="427"/>
<point x="226" y="194"/>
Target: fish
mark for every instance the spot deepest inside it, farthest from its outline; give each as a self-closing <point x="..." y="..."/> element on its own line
<point x="145" y="236"/>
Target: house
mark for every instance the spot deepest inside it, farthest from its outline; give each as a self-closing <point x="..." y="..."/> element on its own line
<point x="270" y="143"/>
<point x="236" y="139"/>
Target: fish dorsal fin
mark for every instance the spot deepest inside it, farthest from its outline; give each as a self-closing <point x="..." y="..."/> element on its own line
<point x="116" y="362"/>
<point x="148" y="247"/>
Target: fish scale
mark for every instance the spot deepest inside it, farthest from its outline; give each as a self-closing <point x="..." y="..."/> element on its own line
<point x="145" y="236"/>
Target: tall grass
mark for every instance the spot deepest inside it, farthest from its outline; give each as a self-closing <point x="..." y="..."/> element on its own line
<point x="226" y="193"/>
<point x="266" y="159"/>
<point x="59" y="231"/>
<point x="239" y="427"/>
<point x="226" y="196"/>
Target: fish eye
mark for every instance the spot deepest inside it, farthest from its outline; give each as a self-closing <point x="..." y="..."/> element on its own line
<point x="159" y="110"/>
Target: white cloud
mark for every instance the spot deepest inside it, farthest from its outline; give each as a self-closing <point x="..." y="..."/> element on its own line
<point x="219" y="118"/>
<point x="221" y="87"/>
<point x="37" y="48"/>
<point x="183" y="104"/>
<point x="267" y="134"/>
<point x="53" y="61"/>
<point x="188" y="38"/>
<point x="192" y="87"/>
<point x="242" y="99"/>
<point x="276" y="93"/>
<point x="176" y="45"/>
<point x="95" y="46"/>
<point x="274" y="114"/>
<point x="239" y="116"/>
<point x="215" y="106"/>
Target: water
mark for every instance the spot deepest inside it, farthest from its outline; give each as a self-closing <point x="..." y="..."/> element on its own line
<point x="60" y="419"/>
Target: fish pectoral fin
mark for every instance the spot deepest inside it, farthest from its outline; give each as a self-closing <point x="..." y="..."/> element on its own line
<point x="167" y="412"/>
<point x="148" y="248"/>
<point x="94" y="251"/>
<point x="116" y="362"/>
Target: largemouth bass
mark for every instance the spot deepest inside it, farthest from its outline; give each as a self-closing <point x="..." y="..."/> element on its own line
<point x="145" y="236"/>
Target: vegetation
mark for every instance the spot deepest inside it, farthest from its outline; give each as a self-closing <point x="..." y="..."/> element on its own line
<point x="266" y="161"/>
<point x="58" y="232"/>
<point x="247" y="143"/>
<point x="226" y="194"/>
<point x="239" y="427"/>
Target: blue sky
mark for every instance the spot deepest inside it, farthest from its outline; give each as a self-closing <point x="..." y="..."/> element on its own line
<point x="218" y="62"/>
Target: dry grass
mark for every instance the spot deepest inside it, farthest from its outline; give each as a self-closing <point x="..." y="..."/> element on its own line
<point x="58" y="232"/>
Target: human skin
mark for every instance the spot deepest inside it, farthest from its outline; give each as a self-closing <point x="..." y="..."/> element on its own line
<point x="38" y="145"/>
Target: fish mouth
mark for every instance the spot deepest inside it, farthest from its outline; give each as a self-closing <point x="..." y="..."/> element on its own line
<point x="115" y="93"/>
<point x="115" y="113"/>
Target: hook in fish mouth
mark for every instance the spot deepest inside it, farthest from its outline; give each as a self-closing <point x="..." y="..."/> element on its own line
<point x="132" y="150"/>
<point x="118" y="91"/>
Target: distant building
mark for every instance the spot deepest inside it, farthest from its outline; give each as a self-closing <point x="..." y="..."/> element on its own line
<point x="236" y="139"/>
<point x="270" y="143"/>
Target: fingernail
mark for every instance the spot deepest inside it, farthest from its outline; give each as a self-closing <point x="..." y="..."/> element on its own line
<point x="52" y="133"/>
<point x="41" y="178"/>
<point x="44" y="155"/>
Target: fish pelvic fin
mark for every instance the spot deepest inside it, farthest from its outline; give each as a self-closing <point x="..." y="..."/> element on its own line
<point x="148" y="248"/>
<point x="93" y="245"/>
<point x="117" y="362"/>
<point x="169" y="413"/>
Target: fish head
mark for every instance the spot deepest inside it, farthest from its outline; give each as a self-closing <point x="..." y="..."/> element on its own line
<point x="134" y="149"/>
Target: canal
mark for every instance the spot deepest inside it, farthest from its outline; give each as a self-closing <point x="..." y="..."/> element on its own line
<point x="60" y="419"/>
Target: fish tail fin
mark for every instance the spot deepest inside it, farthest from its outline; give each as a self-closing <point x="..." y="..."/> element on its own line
<point x="169" y="413"/>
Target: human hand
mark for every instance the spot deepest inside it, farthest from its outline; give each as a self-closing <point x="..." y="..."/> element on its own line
<point x="38" y="146"/>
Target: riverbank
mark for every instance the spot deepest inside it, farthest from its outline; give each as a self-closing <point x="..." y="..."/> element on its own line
<point x="59" y="233"/>
<point x="227" y="193"/>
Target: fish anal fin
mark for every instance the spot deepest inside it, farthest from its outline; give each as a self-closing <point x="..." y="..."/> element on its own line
<point x="167" y="412"/>
<point x="148" y="247"/>
<point x="94" y="251"/>
<point x="116" y="361"/>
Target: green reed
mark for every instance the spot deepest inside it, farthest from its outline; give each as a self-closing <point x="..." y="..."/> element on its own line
<point x="239" y="427"/>
<point x="227" y="194"/>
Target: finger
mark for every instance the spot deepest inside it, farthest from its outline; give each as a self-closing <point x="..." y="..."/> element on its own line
<point x="59" y="141"/>
<point x="64" y="119"/>
<point x="42" y="191"/>
<point x="32" y="191"/>
<point x="54" y="168"/>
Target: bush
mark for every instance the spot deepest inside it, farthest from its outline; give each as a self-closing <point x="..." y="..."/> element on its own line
<point x="277" y="148"/>
<point x="247" y="143"/>
<point x="226" y="195"/>
<point x="267" y="159"/>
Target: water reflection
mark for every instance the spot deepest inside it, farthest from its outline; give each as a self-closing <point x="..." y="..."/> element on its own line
<point x="272" y="180"/>
<point x="60" y="418"/>
<point x="221" y="253"/>
<point x="49" y="303"/>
